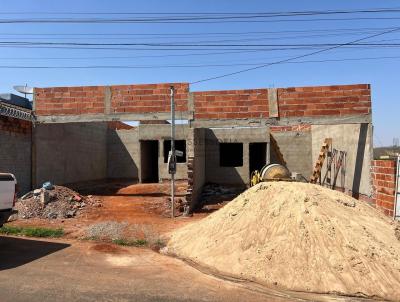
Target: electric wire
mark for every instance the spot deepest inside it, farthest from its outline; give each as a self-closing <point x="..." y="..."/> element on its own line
<point x="296" y="57"/>
<point x="192" y="66"/>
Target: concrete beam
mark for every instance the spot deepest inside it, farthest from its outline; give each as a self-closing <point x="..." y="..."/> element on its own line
<point x="327" y="120"/>
<point x="110" y="117"/>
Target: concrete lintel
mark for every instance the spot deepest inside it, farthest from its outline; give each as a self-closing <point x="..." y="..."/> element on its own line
<point x="321" y="120"/>
<point x="326" y="120"/>
<point x="227" y="123"/>
<point x="109" y="117"/>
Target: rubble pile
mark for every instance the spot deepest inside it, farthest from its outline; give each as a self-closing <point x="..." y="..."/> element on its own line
<point x="214" y="196"/>
<point x="57" y="202"/>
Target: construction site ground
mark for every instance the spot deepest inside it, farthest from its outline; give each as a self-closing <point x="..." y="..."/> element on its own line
<point x="72" y="269"/>
<point x="124" y="202"/>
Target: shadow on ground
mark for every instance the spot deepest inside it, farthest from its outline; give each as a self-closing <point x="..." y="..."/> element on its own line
<point x="15" y="252"/>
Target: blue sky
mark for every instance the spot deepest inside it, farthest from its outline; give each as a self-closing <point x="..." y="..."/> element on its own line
<point x="382" y="74"/>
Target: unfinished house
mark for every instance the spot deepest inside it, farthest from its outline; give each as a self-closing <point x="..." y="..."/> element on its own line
<point x="79" y="134"/>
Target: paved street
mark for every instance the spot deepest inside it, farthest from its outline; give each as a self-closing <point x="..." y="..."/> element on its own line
<point x="36" y="270"/>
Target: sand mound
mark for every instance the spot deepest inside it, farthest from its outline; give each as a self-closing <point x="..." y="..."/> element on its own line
<point x="298" y="236"/>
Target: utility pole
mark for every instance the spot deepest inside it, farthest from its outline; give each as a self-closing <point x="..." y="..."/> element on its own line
<point x="172" y="159"/>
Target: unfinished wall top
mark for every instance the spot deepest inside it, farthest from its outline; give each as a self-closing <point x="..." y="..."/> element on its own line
<point x="152" y="102"/>
<point x="108" y="103"/>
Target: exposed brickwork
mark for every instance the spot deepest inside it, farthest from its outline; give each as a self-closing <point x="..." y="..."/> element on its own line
<point x="15" y="126"/>
<point x="250" y="103"/>
<point x="124" y="98"/>
<point x="383" y="174"/>
<point x="324" y="100"/>
<point x="148" y="98"/>
<point x="69" y="100"/>
<point x="340" y="100"/>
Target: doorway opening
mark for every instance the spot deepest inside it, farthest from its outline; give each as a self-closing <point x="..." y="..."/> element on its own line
<point x="257" y="156"/>
<point x="149" y="161"/>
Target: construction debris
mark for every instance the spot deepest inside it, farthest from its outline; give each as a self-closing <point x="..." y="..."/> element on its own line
<point x="214" y="196"/>
<point x="59" y="202"/>
<point x="298" y="236"/>
<point x="163" y="207"/>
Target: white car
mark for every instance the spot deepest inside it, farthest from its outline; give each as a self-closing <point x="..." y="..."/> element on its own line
<point x="8" y="196"/>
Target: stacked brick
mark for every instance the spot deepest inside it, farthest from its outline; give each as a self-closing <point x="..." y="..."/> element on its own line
<point x="148" y="98"/>
<point x="15" y="126"/>
<point x="69" y="100"/>
<point x="123" y="98"/>
<point x="226" y="104"/>
<point x="383" y="174"/>
<point x="338" y="100"/>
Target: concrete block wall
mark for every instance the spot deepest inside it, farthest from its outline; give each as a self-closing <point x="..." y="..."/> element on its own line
<point x="163" y="132"/>
<point x="70" y="153"/>
<point x="15" y="150"/>
<point x="109" y="99"/>
<point x="197" y="150"/>
<point x="383" y="174"/>
<point x="231" y="175"/>
<point x="123" y="152"/>
<point x="356" y="141"/>
<point x="295" y="144"/>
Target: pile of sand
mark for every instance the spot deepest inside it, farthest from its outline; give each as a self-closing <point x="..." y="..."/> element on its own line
<point x="300" y="237"/>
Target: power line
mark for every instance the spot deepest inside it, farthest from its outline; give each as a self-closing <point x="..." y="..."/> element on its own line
<point x="296" y="57"/>
<point x="279" y="32"/>
<point x="191" y="66"/>
<point x="196" y="13"/>
<point x="219" y="14"/>
<point x="185" y="49"/>
<point x="173" y="44"/>
<point x="212" y="17"/>
<point x="256" y="38"/>
<point x="136" y="21"/>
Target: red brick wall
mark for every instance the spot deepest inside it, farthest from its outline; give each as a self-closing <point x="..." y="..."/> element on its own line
<point x="148" y="98"/>
<point x="324" y="100"/>
<point x="383" y="174"/>
<point x="250" y="103"/>
<point x="124" y="98"/>
<point x="292" y="102"/>
<point x="13" y="125"/>
<point x="69" y="100"/>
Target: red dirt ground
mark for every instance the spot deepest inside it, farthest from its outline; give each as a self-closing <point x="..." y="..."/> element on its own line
<point x="133" y="203"/>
